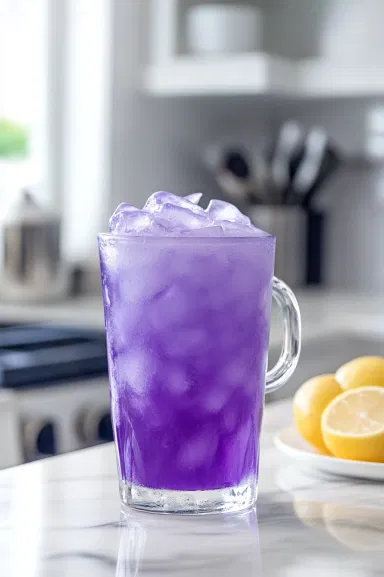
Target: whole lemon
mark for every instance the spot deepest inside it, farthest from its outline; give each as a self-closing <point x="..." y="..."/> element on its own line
<point x="309" y="403"/>
<point x="361" y="372"/>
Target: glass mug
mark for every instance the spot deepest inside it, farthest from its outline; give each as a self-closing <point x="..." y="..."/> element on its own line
<point x="187" y="323"/>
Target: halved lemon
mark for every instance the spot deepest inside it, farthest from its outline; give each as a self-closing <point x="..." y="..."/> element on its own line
<point x="361" y="372"/>
<point x="352" y="425"/>
<point x="309" y="403"/>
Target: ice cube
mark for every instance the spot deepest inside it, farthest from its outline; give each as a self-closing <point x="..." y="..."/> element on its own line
<point x="237" y="229"/>
<point x="206" y="231"/>
<point x="177" y="382"/>
<point x="170" y="308"/>
<point x="166" y="214"/>
<point x="116" y="222"/>
<point x="158" y="200"/>
<point x="135" y="367"/>
<point x="219" y="210"/>
<point x="185" y="343"/>
<point x="181" y="218"/>
<point x="130" y="221"/>
<point x="215" y="399"/>
<point x="125" y="207"/>
<point x="236" y="372"/>
<point x="200" y="449"/>
<point x="231" y="417"/>
<point x="194" y="198"/>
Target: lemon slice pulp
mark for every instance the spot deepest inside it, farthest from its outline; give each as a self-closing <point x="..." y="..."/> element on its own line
<point x="352" y="425"/>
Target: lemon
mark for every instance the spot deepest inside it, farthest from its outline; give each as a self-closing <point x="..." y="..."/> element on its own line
<point x="353" y="425"/>
<point x="361" y="372"/>
<point x="308" y="404"/>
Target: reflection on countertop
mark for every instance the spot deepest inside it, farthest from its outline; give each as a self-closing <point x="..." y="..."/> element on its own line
<point x="62" y="517"/>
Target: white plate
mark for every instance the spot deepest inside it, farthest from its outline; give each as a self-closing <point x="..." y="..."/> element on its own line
<point x="288" y="441"/>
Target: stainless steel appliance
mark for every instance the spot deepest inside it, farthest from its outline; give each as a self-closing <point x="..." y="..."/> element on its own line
<point x="32" y="268"/>
<point x="58" y="378"/>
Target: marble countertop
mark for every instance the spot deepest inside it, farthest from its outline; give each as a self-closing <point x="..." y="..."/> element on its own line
<point x="61" y="517"/>
<point x="322" y="312"/>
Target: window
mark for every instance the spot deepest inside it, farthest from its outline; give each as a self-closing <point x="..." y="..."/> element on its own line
<point x="55" y="59"/>
<point x="23" y="41"/>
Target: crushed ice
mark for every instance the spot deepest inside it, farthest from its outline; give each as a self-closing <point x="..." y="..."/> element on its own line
<point x="165" y="214"/>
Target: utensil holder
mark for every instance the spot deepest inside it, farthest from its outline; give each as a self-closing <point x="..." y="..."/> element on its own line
<point x="299" y="242"/>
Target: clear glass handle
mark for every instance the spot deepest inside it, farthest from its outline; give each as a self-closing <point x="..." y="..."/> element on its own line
<point x="289" y="357"/>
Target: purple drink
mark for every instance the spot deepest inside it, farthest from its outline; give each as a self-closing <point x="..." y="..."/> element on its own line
<point x="187" y="308"/>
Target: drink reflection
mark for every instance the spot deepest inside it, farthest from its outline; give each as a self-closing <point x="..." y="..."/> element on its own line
<point x="208" y="546"/>
<point x="358" y="528"/>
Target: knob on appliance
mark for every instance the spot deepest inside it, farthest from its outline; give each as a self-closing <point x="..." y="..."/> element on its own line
<point x="94" y="425"/>
<point x="39" y="439"/>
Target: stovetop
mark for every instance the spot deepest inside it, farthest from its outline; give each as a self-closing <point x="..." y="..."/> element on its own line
<point x="42" y="355"/>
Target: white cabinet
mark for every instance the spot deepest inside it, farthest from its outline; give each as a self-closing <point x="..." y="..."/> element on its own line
<point x="304" y="55"/>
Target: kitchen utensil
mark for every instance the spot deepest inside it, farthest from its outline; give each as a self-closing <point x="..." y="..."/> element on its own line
<point x="316" y="234"/>
<point x="214" y="29"/>
<point x="328" y="167"/>
<point x="234" y="172"/>
<point x="283" y="154"/>
<point x="293" y="165"/>
<point x="308" y="170"/>
<point x="258" y="194"/>
<point x="319" y="161"/>
<point x="289" y="442"/>
<point x="31" y="268"/>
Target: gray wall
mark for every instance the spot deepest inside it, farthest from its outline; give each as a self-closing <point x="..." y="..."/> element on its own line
<point x="354" y="199"/>
<point x="158" y="144"/>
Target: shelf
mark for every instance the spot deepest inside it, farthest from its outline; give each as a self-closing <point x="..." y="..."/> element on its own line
<point x="237" y="74"/>
<point x="258" y="74"/>
<point x="319" y="78"/>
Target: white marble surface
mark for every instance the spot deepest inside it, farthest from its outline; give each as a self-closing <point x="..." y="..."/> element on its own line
<point x="61" y="517"/>
<point x="323" y="312"/>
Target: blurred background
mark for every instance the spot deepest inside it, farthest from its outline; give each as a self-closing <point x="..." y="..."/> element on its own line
<point x="275" y="105"/>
